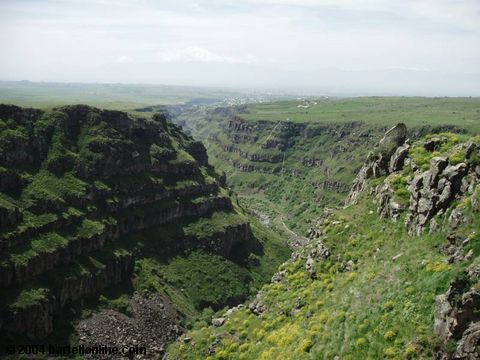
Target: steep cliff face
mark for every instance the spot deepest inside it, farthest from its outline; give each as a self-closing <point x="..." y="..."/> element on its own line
<point x="300" y="166"/>
<point x="77" y="185"/>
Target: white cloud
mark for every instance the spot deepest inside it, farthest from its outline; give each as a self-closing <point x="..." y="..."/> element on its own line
<point x="408" y="68"/>
<point x="196" y="54"/>
<point x="124" y="60"/>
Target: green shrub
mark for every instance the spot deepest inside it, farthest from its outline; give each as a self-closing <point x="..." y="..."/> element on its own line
<point x="456" y="157"/>
<point x="159" y="153"/>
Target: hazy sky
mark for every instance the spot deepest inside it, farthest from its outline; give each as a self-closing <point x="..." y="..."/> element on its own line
<point x="358" y="46"/>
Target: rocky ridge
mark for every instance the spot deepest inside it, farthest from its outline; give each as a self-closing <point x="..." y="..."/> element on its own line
<point x="432" y="187"/>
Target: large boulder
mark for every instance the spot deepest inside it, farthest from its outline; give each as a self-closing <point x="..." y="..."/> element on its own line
<point x="392" y="139"/>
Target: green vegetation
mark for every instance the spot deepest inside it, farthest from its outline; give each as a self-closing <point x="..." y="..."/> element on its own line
<point x="382" y="111"/>
<point x="44" y="243"/>
<point x="372" y="298"/>
<point x="37" y="291"/>
<point x="207" y="280"/>
<point x="203" y="227"/>
<point x="6" y="202"/>
<point x="310" y="174"/>
<point x="108" y="96"/>
<point x="399" y="185"/>
<point x="49" y="242"/>
<point x="446" y="148"/>
<point x="89" y="228"/>
<point x="29" y="296"/>
<point x="46" y="187"/>
<point x="158" y="153"/>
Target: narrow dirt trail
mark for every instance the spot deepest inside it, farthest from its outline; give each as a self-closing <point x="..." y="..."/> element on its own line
<point x="295" y="239"/>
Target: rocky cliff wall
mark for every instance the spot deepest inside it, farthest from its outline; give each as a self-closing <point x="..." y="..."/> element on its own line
<point x="77" y="181"/>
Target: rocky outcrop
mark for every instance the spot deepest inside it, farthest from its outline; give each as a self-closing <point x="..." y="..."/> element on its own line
<point x="430" y="192"/>
<point x="397" y="161"/>
<point x="388" y="205"/>
<point x="18" y="114"/>
<point x="257" y="306"/>
<point x="199" y="153"/>
<point x="184" y="168"/>
<point x="9" y="180"/>
<point x="378" y="162"/>
<point x="281" y="134"/>
<point x="333" y="185"/>
<point x="434" y="143"/>
<point x="18" y="147"/>
<point x="317" y="252"/>
<point x="392" y="139"/>
<point x="255" y="157"/>
<point x="144" y="195"/>
<point x="457" y="317"/>
<point x="433" y="191"/>
<point x="218" y="321"/>
<point x="220" y="242"/>
<point x="467" y="347"/>
<point x="308" y="150"/>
